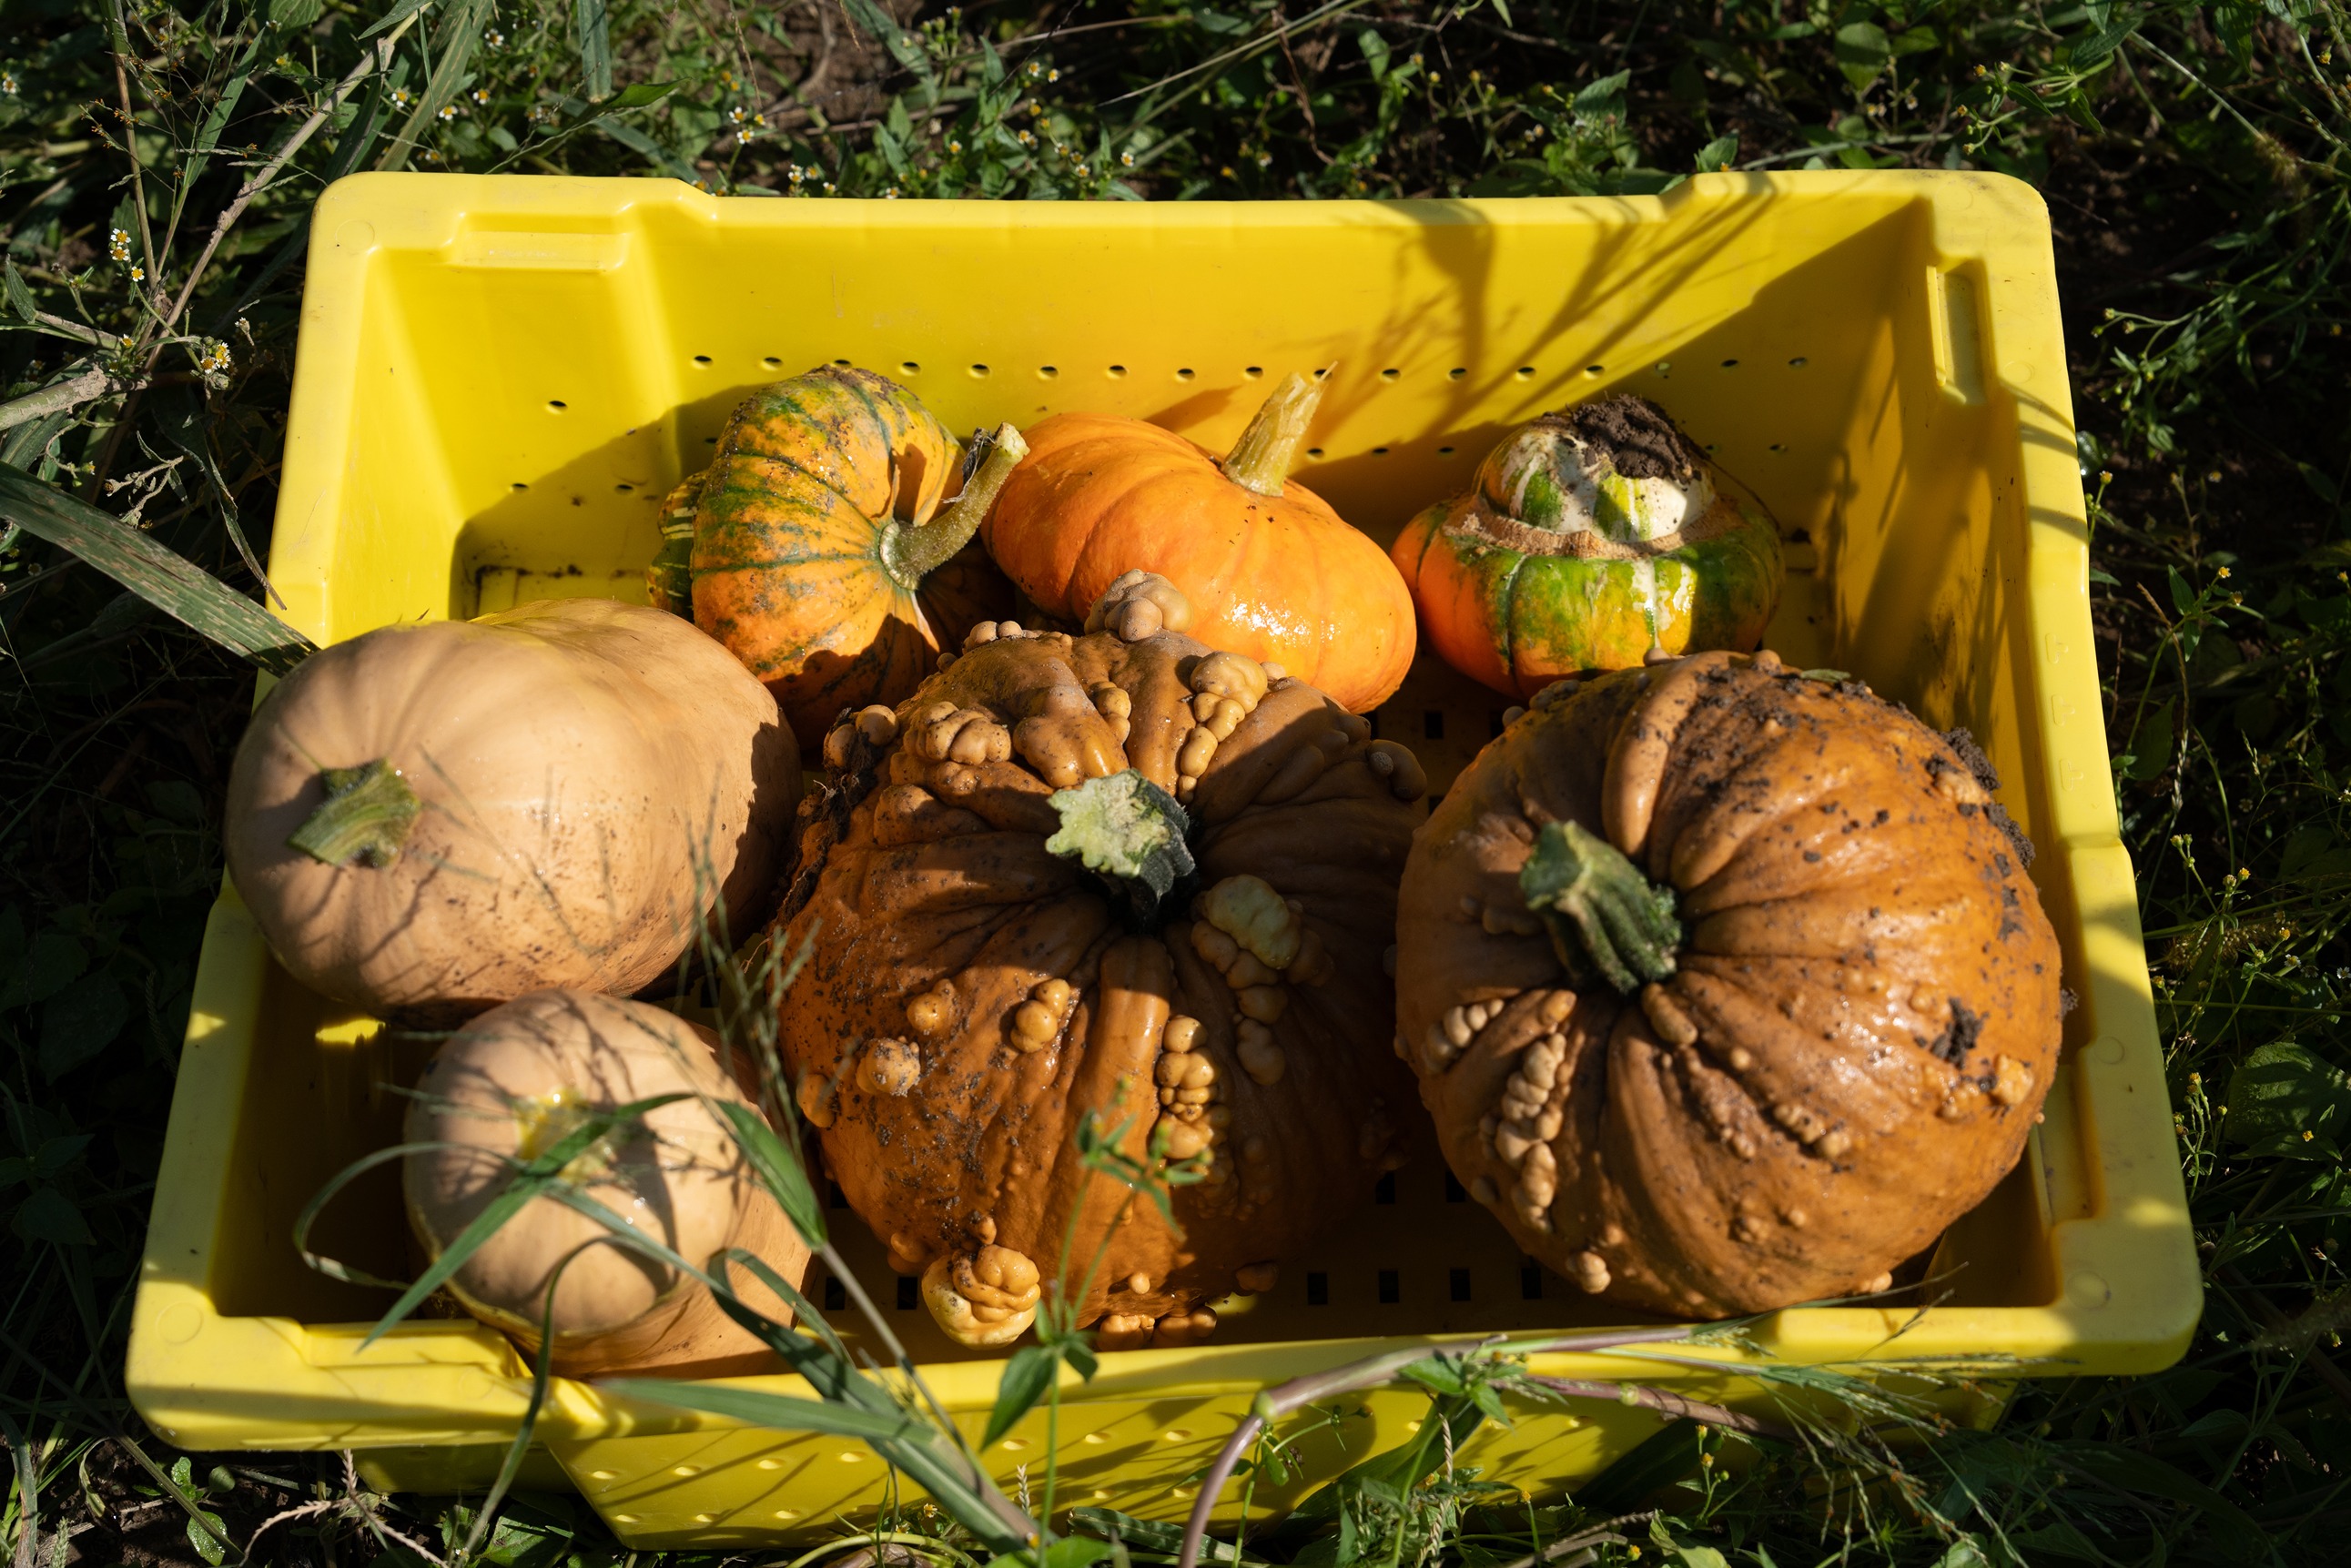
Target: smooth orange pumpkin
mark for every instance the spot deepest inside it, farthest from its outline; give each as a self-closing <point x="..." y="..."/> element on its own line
<point x="1269" y="570"/>
<point x="817" y="533"/>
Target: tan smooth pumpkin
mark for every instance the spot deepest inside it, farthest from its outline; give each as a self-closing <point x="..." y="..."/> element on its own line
<point x="1727" y="987"/>
<point x="429" y="819"/>
<point x="517" y="1079"/>
<point x="973" y="990"/>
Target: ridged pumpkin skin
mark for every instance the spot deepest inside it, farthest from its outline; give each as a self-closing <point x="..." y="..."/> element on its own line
<point x="969" y="995"/>
<point x="515" y="1081"/>
<point x="1857" y="1035"/>
<point x="1283" y="579"/>
<point x="1546" y="568"/>
<point x="793" y="563"/>
<point x="571" y="759"/>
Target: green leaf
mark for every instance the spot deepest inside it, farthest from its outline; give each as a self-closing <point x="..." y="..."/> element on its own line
<point x="781" y="1412"/>
<point x="1861" y="51"/>
<point x="207" y="1543"/>
<point x="877" y="24"/>
<point x="2281" y="1091"/>
<point x="2183" y="598"/>
<point x="394" y="17"/>
<point x="80" y="1023"/>
<point x="20" y="299"/>
<point x="1026" y="1377"/>
<point x="639" y="95"/>
<point x="1717" y="155"/>
<point x="1070" y="1551"/>
<point x="2312" y="475"/>
<point x="51" y="962"/>
<point x="2093" y="49"/>
<point x="290" y="16"/>
<point x="780" y="1170"/>
<point x="48" y="1214"/>
<point x="172" y="583"/>
<point x="2151" y="748"/>
<point x="591" y="37"/>
<point x="1602" y="97"/>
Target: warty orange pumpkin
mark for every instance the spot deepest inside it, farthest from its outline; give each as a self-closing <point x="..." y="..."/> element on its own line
<point x="1117" y="876"/>
<point x="429" y="819"/>
<point x="514" y="1083"/>
<point x="1727" y="987"/>
<point x="828" y="547"/>
<point x="1270" y="571"/>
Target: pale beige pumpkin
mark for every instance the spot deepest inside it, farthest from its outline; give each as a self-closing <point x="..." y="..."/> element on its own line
<point x="515" y="1081"/>
<point x="549" y="796"/>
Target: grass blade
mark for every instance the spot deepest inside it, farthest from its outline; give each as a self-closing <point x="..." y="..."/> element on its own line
<point x="781" y="1171"/>
<point x="171" y="583"/>
<point x="781" y="1411"/>
<point x="592" y="35"/>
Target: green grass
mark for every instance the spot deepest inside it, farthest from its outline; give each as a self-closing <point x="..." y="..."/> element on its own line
<point x="2194" y="158"/>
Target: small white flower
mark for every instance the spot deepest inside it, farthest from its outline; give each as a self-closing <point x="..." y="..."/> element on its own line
<point x="481" y="98"/>
<point x="137" y="274"/>
<point x="118" y="245"/>
<point x="495" y="39"/>
<point x="743" y="138"/>
<point x="400" y="97"/>
<point x="1126" y="160"/>
<point x="735" y="114"/>
<point x="448" y="112"/>
<point x="7" y="84"/>
<point x="953" y="145"/>
<point x="828" y="188"/>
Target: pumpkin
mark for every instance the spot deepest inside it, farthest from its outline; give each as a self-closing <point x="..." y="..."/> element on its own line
<point x="1590" y="538"/>
<point x="815" y="531"/>
<point x="1727" y="987"/>
<point x="429" y="819"/>
<point x="1112" y="876"/>
<point x="1271" y="572"/>
<point x="519" y="1079"/>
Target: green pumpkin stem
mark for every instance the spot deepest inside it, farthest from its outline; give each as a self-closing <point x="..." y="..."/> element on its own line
<point x="365" y="816"/>
<point x="913" y="552"/>
<point x="1261" y="459"/>
<point x="1607" y="920"/>
<point x="1129" y="831"/>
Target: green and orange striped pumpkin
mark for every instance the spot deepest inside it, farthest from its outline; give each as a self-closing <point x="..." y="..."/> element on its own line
<point x="1590" y="537"/>
<point x="829" y="545"/>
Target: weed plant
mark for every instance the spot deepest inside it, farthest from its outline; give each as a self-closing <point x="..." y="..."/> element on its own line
<point x="157" y="167"/>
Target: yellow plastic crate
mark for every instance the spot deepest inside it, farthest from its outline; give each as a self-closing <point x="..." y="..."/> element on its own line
<point x="499" y="378"/>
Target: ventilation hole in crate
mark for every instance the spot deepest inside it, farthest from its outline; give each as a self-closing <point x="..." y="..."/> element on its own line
<point x="1379" y="452"/>
<point x="1384" y="1190"/>
<point x="1432" y="724"/>
<point x="1456" y="1284"/>
<point x="710" y="441"/>
<point x="909" y="368"/>
<point x="1593" y="369"/>
<point x="1526" y="372"/>
<point x="978" y="371"/>
<point x="521" y="485"/>
<point x="906" y="1286"/>
<point x="773" y="363"/>
<point x="833" y="1197"/>
<point x="836" y="1294"/>
<point x="1314" y="452"/>
<point x="1047" y="372"/>
<point x="1730" y="364"/>
<point x="1797" y="364"/>
<point x="1712" y="447"/>
<point x="1493" y="722"/>
<point x="1454" y="1191"/>
<point x="556" y="405"/>
<point x="1445" y="452"/>
<point x="1391" y="373"/>
<point x="1254" y="371"/>
<point x="1391" y="1288"/>
<point x="1317" y="1289"/>
<point x="1322" y="373"/>
<point x="1456" y="373"/>
<point x="622" y="489"/>
<point x="1778" y="447"/>
<point x="1117" y="370"/>
<point x="1531" y="1280"/>
<point x="702" y="359"/>
<point x="1185" y="374"/>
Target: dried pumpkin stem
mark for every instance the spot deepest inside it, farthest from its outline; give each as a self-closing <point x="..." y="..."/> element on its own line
<point x="1261" y="459"/>
<point x="913" y="551"/>
<point x="1607" y="920"/>
<point x="1127" y="830"/>
<point x="365" y="816"/>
